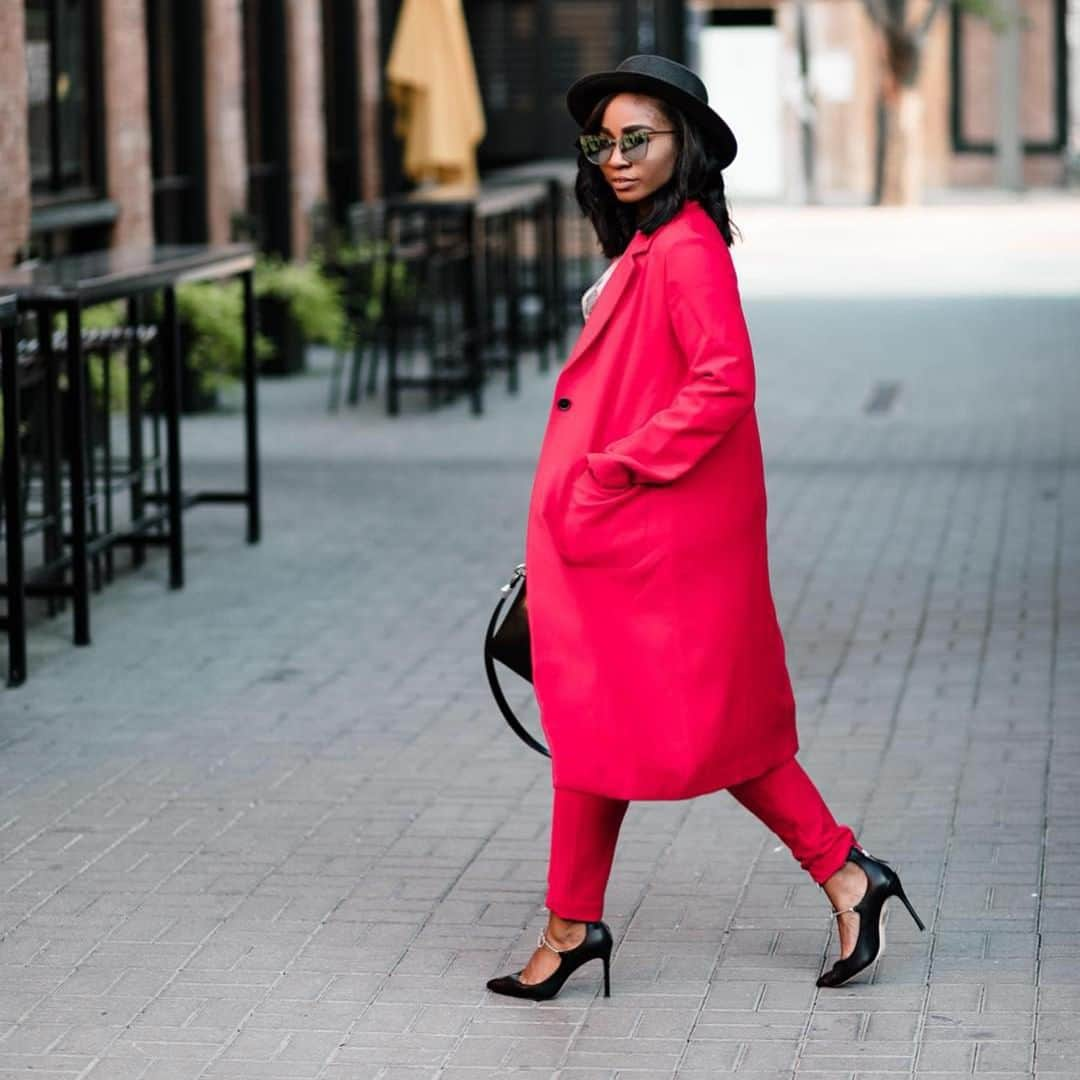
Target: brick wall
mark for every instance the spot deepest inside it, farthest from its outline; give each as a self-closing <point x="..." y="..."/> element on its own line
<point x="226" y="152"/>
<point x="307" y="127"/>
<point x="127" y="119"/>
<point x="14" y="152"/>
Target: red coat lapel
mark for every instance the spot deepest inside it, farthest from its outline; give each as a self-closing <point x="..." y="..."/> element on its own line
<point x="620" y="279"/>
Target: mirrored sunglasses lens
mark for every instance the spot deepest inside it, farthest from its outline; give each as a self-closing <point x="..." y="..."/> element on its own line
<point x="596" y="149"/>
<point x="635" y="147"/>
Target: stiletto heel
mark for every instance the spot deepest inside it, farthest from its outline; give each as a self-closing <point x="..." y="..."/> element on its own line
<point x="595" y="945"/>
<point x="882" y="882"/>
<point x="907" y="903"/>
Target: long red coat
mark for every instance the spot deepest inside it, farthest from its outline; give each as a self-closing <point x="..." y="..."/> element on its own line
<point x="658" y="662"/>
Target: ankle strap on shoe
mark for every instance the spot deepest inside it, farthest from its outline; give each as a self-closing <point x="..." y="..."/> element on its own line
<point x="543" y="943"/>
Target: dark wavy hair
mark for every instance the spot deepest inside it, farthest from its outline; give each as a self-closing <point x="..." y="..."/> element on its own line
<point x="697" y="176"/>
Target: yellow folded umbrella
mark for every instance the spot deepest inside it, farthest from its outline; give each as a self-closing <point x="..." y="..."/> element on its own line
<point x="432" y="81"/>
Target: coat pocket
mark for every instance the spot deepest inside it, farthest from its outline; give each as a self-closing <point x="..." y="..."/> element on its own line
<point x="600" y="526"/>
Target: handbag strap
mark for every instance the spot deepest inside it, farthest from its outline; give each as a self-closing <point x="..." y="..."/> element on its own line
<point x="496" y="690"/>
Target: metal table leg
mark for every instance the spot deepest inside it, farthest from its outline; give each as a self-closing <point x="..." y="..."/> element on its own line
<point x="76" y="446"/>
<point x="251" y="413"/>
<point x="554" y="277"/>
<point x="513" y="300"/>
<point x="137" y="483"/>
<point x="170" y="376"/>
<point x="13" y="523"/>
<point x="475" y="304"/>
<point x="52" y="495"/>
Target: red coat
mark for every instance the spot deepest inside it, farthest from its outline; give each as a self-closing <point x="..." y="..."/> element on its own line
<point x="657" y="657"/>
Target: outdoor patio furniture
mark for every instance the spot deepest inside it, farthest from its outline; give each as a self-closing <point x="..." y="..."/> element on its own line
<point x="473" y="269"/>
<point x="88" y="474"/>
<point x="429" y="300"/>
<point x="361" y="264"/>
<point x="579" y="262"/>
<point x="113" y="469"/>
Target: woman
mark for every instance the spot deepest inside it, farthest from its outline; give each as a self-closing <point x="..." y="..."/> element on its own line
<point x="657" y="659"/>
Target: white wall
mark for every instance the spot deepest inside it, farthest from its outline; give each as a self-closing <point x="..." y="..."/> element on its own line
<point x="741" y="67"/>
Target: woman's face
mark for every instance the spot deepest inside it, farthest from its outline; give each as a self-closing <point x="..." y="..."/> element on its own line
<point x="635" y="181"/>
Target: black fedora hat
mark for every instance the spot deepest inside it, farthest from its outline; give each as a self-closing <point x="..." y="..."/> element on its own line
<point x="656" y="76"/>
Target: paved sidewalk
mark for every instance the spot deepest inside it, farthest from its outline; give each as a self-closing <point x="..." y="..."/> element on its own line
<point x="271" y="827"/>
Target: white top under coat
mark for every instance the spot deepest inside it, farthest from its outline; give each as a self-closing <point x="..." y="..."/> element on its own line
<point x="592" y="293"/>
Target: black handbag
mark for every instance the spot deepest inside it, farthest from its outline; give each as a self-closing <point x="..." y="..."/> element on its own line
<point x="507" y="640"/>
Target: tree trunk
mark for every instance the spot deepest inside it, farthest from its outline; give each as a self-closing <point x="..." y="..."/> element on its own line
<point x="903" y="168"/>
<point x="899" y="157"/>
<point x="806" y="103"/>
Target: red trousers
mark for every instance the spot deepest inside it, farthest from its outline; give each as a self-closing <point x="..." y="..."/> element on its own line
<point x="585" y="829"/>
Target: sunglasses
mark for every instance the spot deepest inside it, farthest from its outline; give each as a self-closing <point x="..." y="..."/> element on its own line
<point x="633" y="146"/>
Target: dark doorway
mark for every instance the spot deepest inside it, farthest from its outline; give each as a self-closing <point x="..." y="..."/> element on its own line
<point x="393" y="174"/>
<point x="174" y="44"/>
<point x="267" y="117"/>
<point x="340" y="104"/>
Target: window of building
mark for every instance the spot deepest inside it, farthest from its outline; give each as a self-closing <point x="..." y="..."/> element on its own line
<point x="64" y="100"/>
<point x="1043" y="92"/>
<point x="174" y="47"/>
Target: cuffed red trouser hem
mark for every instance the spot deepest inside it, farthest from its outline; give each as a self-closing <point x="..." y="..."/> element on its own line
<point x="786" y="801"/>
<point x="585" y="830"/>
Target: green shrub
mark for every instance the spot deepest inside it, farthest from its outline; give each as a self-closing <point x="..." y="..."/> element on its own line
<point x="213" y="314"/>
<point x="314" y="299"/>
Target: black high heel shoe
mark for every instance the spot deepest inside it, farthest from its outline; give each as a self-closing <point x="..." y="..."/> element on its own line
<point x="882" y="882"/>
<point x="596" y="943"/>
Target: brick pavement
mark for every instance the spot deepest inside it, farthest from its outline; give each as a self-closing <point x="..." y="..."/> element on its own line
<point x="269" y="826"/>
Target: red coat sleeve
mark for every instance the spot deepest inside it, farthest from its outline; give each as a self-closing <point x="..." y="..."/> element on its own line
<point x="706" y="315"/>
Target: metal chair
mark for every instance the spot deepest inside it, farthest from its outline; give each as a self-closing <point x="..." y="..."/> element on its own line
<point x="38" y="496"/>
<point x="429" y="298"/>
<point x="131" y="353"/>
<point x="363" y="266"/>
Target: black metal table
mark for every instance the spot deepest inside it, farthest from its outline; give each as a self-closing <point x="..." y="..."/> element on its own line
<point x="480" y="207"/>
<point x="73" y="282"/>
<point x="574" y="234"/>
